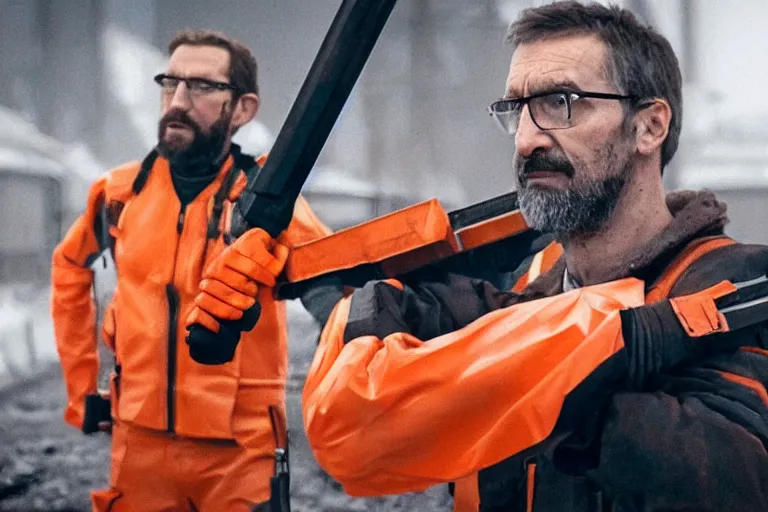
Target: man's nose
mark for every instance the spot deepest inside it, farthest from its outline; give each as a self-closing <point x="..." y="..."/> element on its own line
<point x="180" y="98"/>
<point x="528" y="136"/>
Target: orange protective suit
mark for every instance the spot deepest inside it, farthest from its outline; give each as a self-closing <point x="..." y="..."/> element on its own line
<point x="391" y="414"/>
<point x="160" y="396"/>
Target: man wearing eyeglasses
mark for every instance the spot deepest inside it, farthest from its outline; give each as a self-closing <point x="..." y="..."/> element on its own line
<point x="186" y="436"/>
<point x="631" y="376"/>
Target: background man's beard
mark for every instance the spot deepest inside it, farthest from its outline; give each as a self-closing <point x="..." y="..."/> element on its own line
<point x="204" y="150"/>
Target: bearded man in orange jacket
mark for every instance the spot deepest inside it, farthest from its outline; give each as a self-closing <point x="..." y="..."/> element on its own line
<point x="186" y="436"/>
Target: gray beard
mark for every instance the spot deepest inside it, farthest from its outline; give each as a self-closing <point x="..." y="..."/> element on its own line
<point x="578" y="211"/>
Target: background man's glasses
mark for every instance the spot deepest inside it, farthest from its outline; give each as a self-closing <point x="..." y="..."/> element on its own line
<point x="195" y="86"/>
<point x="555" y="110"/>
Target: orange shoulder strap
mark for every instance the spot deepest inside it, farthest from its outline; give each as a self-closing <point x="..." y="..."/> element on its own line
<point x="541" y="263"/>
<point x="688" y="257"/>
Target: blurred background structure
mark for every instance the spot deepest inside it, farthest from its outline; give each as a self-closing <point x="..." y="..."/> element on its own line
<point x="77" y="97"/>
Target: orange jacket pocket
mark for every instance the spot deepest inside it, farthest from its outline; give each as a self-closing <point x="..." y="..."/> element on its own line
<point x="251" y="424"/>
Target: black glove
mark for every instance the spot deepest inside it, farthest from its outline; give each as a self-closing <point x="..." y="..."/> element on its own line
<point x="207" y="347"/>
<point x="98" y="414"/>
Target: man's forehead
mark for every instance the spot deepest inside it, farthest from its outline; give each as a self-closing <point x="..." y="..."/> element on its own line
<point x="200" y="61"/>
<point x="577" y="62"/>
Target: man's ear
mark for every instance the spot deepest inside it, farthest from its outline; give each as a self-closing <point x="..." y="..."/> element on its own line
<point x="245" y="109"/>
<point x="652" y="125"/>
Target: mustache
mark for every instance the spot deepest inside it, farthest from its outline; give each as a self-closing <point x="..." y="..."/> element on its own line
<point x="543" y="162"/>
<point x="177" y="116"/>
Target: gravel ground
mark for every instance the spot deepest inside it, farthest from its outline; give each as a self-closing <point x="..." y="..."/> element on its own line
<point x="45" y="465"/>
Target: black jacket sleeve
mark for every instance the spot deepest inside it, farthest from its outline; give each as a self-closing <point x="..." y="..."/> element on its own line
<point x="425" y="310"/>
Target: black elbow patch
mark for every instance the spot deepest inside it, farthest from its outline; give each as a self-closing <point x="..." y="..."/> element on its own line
<point x="375" y="311"/>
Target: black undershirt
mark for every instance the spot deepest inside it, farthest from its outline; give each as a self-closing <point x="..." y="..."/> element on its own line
<point x="189" y="186"/>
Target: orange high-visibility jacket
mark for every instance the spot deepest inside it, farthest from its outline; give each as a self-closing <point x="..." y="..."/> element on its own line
<point x="386" y="412"/>
<point x="160" y="252"/>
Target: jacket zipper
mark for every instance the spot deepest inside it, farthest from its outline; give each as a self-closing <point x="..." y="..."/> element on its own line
<point x="179" y="229"/>
<point x="173" y="314"/>
<point x="172" y="296"/>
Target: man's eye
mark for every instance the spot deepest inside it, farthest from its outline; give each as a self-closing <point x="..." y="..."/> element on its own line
<point x="200" y="86"/>
<point x="558" y="100"/>
<point x="170" y="83"/>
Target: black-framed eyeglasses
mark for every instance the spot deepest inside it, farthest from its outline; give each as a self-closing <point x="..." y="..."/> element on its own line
<point x="552" y="110"/>
<point x="195" y="85"/>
